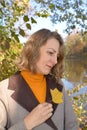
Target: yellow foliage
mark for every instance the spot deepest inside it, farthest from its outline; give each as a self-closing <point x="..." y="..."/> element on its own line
<point x="57" y="96"/>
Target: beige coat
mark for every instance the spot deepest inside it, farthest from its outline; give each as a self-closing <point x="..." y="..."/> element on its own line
<point x="17" y="100"/>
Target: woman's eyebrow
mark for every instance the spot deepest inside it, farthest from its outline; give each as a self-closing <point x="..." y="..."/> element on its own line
<point x="52" y="49"/>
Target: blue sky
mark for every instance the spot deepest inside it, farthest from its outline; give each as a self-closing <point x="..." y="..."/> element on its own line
<point x="46" y="23"/>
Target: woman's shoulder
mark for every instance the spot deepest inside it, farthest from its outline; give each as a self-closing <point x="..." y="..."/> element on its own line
<point x="4" y="83"/>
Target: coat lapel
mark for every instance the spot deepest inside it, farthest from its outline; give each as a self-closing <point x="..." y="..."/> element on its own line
<point x="52" y="84"/>
<point x="25" y="97"/>
<point x="22" y="94"/>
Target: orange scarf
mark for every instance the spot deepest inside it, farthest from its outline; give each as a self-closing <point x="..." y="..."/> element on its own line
<point x="37" y="83"/>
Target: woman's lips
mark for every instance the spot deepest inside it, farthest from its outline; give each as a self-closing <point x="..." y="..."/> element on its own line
<point x="49" y="66"/>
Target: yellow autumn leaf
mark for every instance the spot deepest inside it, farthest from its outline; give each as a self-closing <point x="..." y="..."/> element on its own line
<point x="57" y="96"/>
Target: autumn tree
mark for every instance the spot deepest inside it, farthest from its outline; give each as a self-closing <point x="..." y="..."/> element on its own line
<point x="8" y="56"/>
<point x="73" y="12"/>
<point x="74" y="45"/>
<point x="10" y="12"/>
<point x="84" y="36"/>
<point x="10" y="47"/>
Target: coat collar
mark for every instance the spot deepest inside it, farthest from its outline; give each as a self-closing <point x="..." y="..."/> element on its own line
<point x="25" y="97"/>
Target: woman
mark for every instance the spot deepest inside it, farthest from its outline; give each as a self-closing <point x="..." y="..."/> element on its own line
<point x="34" y="98"/>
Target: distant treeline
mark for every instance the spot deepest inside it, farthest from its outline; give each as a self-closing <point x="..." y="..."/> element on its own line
<point x="76" y="46"/>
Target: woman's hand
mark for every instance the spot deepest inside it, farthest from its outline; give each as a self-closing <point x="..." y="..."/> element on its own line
<point x="38" y="115"/>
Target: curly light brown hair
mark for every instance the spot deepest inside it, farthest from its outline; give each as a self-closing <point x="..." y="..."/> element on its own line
<point x="31" y="52"/>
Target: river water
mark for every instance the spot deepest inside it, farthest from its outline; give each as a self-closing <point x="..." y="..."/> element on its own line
<point x="75" y="74"/>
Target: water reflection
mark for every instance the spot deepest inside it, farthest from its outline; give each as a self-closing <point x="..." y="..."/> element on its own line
<point x="75" y="77"/>
<point x="76" y="74"/>
<point x="68" y="85"/>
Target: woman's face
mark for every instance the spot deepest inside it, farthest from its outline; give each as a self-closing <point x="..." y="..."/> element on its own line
<point x="48" y="56"/>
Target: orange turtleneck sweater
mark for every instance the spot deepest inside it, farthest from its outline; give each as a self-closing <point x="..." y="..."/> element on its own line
<point x="37" y="83"/>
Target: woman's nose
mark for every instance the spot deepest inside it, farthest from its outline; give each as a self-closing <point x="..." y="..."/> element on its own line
<point x="55" y="60"/>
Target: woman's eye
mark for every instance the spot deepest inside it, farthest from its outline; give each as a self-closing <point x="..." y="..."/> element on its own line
<point x="51" y="53"/>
